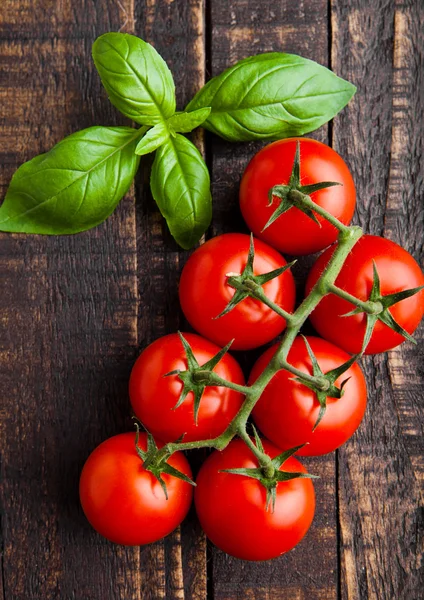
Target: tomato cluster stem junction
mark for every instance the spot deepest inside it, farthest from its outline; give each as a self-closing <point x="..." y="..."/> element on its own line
<point x="247" y="284"/>
<point x="347" y="238"/>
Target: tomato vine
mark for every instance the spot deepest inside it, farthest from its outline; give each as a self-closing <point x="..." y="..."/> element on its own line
<point x="246" y="284"/>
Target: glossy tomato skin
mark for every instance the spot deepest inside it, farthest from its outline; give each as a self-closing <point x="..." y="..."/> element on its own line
<point x="124" y="502"/>
<point x="397" y="271"/>
<point x="287" y="410"/>
<point x="153" y="396"/>
<point x="204" y="292"/>
<point x="231" y="508"/>
<point x="294" y="232"/>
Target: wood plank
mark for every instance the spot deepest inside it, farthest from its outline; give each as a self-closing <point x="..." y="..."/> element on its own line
<point x="176" y="567"/>
<point x="239" y="29"/>
<point x="67" y="300"/>
<point x="69" y="304"/>
<point x="381" y="134"/>
<point x="404" y="221"/>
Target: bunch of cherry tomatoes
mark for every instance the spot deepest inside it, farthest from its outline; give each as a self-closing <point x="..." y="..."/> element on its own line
<point x="124" y="500"/>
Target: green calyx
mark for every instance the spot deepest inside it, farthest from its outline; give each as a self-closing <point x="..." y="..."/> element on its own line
<point x="248" y="285"/>
<point x="324" y="385"/>
<point x="294" y="194"/>
<point x="377" y="309"/>
<point x="155" y="461"/>
<point x="269" y="473"/>
<point x="196" y="377"/>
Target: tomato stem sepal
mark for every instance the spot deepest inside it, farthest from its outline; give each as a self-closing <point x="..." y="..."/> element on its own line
<point x="269" y="473"/>
<point x="197" y="377"/>
<point x="376" y="308"/>
<point x="247" y="284"/>
<point x="155" y="461"/>
<point x="324" y="386"/>
<point x="295" y="195"/>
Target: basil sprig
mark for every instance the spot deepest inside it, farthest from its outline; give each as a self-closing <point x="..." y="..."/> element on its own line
<point x="73" y="187"/>
<point x="271" y="96"/>
<point x="79" y="182"/>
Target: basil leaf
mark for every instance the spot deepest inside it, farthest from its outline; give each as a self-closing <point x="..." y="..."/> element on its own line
<point x="136" y="77"/>
<point x="184" y="122"/>
<point x="74" y="186"/>
<point x="271" y="96"/>
<point x="181" y="187"/>
<point x="154" y="138"/>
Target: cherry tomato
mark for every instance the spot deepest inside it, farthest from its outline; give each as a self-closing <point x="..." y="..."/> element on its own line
<point x="204" y="292"/>
<point x="294" y="232"/>
<point x="125" y="503"/>
<point x="232" y="508"/>
<point x="153" y="396"/>
<point x="397" y="271"/>
<point x="287" y="410"/>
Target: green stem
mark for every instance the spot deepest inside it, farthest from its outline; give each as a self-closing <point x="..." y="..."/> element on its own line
<point x="249" y="442"/>
<point x="259" y="294"/>
<point x="316" y="381"/>
<point x="214" y="379"/>
<point x="368" y="306"/>
<point x="264" y="460"/>
<point x="309" y="203"/>
<point x="172" y="447"/>
<point x="348" y="237"/>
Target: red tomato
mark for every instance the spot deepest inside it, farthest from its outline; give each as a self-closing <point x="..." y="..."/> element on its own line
<point x="124" y="502"/>
<point x="153" y="396"/>
<point x="232" y="508"/>
<point x="287" y="410"/>
<point x="204" y="292"/>
<point x="294" y="232"/>
<point x="397" y="271"/>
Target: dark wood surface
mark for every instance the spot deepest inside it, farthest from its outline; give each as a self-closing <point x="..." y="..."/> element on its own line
<point x="76" y="310"/>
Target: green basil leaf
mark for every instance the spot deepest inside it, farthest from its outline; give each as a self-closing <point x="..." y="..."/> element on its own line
<point x="136" y="77"/>
<point x="272" y="96"/>
<point x="154" y="138"/>
<point x="184" y="122"/>
<point x="74" y="186"/>
<point x="181" y="187"/>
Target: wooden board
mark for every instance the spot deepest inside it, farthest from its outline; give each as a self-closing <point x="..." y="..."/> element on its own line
<point x="381" y="134"/>
<point x="176" y="567"/>
<point x="76" y="310"/>
<point x="240" y="29"/>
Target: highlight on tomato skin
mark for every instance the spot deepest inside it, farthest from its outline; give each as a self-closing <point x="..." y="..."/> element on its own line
<point x="124" y="502"/>
<point x="287" y="411"/>
<point x="294" y="232"/>
<point x="397" y="271"/>
<point x="154" y="396"/>
<point x="232" y="508"/>
<point x="204" y="292"/>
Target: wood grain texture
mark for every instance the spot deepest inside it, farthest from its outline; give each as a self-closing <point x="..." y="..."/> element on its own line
<point x="240" y="29"/>
<point x="77" y="310"/>
<point x="380" y="48"/>
<point x="404" y="222"/>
